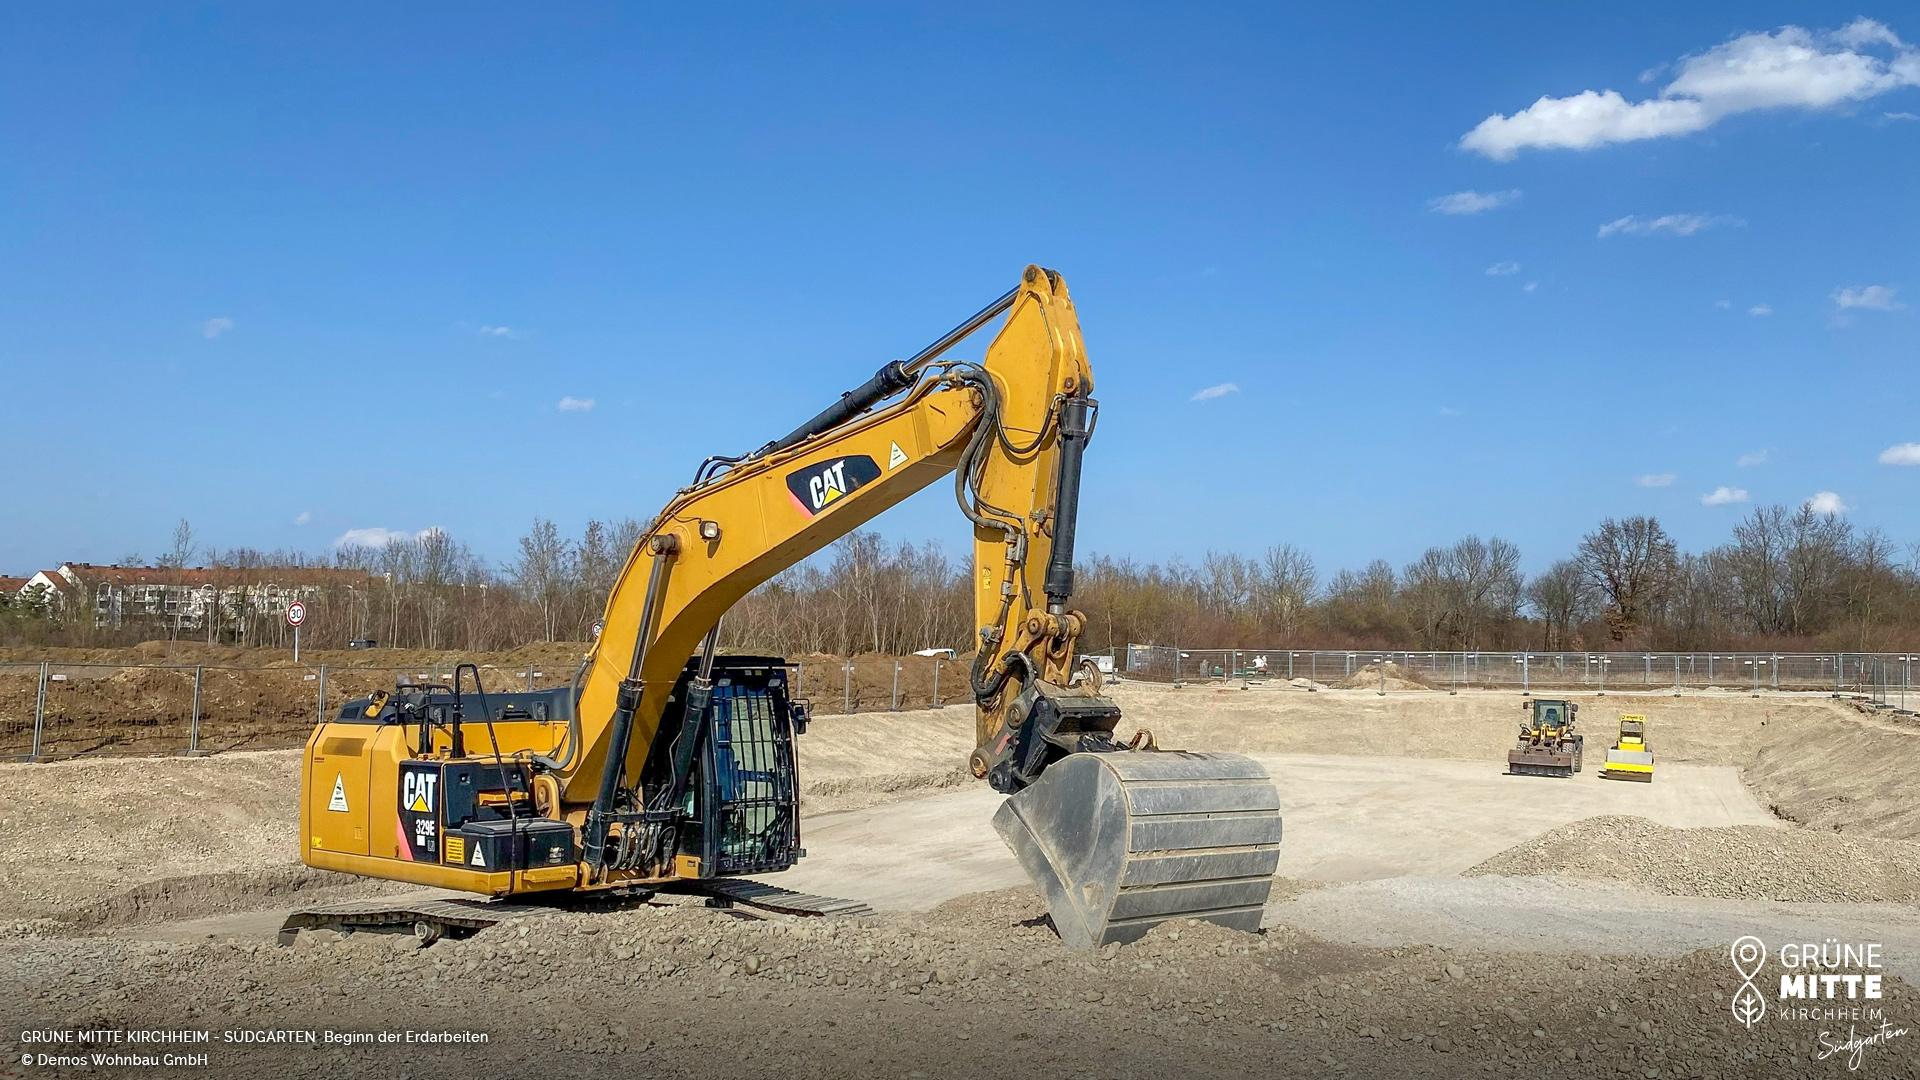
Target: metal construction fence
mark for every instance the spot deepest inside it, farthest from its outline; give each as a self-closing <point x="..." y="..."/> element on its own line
<point x="62" y="710"/>
<point x="1886" y="678"/>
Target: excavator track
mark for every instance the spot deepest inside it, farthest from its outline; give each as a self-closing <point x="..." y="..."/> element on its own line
<point x="432" y="918"/>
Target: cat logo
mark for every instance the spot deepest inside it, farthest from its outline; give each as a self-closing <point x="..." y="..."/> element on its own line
<point x="819" y="486"/>
<point x="416" y="791"/>
<point x="338" y="804"/>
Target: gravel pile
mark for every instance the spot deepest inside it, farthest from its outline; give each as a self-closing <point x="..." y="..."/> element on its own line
<point x="1740" y="863"/>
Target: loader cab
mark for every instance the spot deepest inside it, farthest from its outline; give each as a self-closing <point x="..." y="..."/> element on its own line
<point x="1551" y="714"/>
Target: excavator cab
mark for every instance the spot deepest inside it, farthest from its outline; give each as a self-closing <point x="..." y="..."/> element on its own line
<point x="741" y="812"/>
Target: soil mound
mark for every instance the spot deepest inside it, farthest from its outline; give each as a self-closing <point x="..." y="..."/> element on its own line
<point x="1397" y="678"/>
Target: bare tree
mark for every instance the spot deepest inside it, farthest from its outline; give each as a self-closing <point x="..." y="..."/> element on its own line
<point x="1632" y="562"/>
<point x="180" y="553"/>
<point x="1562" y="598"/>
<point x="1286" y="589"/>
<point x="545" y="569"/>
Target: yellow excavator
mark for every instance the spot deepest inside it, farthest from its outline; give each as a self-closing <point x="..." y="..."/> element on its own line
<point x="668" y="766"/>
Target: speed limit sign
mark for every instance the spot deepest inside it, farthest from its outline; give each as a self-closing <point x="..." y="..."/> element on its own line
<point x="296" y="614"/>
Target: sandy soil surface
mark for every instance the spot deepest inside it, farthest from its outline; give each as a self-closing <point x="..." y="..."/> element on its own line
<point x="1347" y="817"/>
<point x="1380" y="957"/>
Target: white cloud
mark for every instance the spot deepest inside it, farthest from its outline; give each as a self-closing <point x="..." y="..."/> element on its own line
<point x="1530" y="286"/>
<point x="303" y="517"/>
<point x="575" y="404"/>
<point x="1757" y="457"/>
<point x="1675" y="224"/>
<point x="1760" y="311"/>
<point x="1502" y="269"/>
<point x="1219" y="390"/>
<point x="1659" y="479"/>
<point x="1723" y="305"/>
<point x="1906" y="453"/>
<point x="498" y="331"/>
<point x="1826" y="502"/>
<point x="1900" y="116"/>
<point x="1868" y="297"/>
<point x="379" y="537"/>
<point x="1789" y="68"/>
<point x="1471" y="202"/>
<point x="214" y="327"/>
<point x="1723" y="495"/>
<point x="1449" y="410"/>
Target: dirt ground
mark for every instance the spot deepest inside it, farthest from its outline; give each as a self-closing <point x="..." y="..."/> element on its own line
<point x="1434" y="917"/>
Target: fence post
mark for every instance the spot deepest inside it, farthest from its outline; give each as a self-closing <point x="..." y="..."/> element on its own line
<point x="1839" y="665"/>
<point x="39" y="713"/>
<point x="846" y="689"/>
<point x="193" y="725"/>
<point x="320" y="699"/>
<point x="1313" y="670"/>
<point x="1676" y="674"/>
<point x="936" y="680"/>
<point x="894" y="703"/>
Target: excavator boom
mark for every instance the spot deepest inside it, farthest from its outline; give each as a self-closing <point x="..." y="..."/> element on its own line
<point x="656" y="755"/>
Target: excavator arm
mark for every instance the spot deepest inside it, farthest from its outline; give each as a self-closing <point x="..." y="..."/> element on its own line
<point x="1010" y="431"/>
<point x="636" y="791"/>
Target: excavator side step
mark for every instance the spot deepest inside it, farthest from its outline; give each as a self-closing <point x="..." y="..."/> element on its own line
<point x="759" y="894"/>
<point x="1118" y="843"/>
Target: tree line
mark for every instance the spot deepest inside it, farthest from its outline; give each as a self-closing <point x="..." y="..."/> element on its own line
<point x="1785" y="578"/>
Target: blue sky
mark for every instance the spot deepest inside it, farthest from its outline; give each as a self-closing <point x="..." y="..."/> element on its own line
<point x="294" y="272"/>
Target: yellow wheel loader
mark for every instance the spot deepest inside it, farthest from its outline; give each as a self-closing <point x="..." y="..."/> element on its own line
<point x="1547" y="744"/>
<point x="1630" y="758"/>
<point x="668" y="766"/>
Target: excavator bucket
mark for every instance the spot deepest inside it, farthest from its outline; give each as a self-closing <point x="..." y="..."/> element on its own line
<point x="1121" y="842"/>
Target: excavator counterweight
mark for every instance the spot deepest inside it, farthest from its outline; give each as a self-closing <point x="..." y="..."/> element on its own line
<point x="667" y="765"/>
